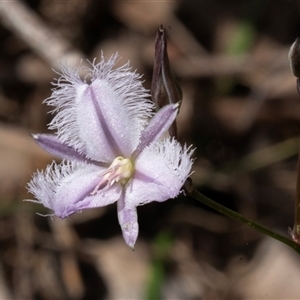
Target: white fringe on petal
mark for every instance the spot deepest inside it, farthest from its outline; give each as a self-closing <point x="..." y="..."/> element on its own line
<point x="178" y="158"/>
<point x="45" y="183"/>
<point x="126" y="84"/>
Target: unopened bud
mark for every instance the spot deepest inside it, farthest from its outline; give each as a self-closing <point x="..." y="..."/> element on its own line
<point x="294" y="58"/>
<point x="164" y="89"/>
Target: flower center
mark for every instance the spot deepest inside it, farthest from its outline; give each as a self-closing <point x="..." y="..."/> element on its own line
<point x="120" y="170"/>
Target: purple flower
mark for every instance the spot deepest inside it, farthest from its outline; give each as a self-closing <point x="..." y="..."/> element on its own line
<point x="114" y="148"/>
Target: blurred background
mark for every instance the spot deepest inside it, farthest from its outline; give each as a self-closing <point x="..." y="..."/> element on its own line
<point x="240" y="109"/>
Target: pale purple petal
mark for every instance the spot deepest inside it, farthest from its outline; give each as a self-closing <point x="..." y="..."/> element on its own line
<point x="93" y="129"/>
<point x="158" y="125"/>
<point x="103" y="119"/>
<point x="161" y="170"/>
<point x="51" y="144"/>
<point x="128" y="221"/>
<point x="66" y="188"/>
<point x="110" y="127"/>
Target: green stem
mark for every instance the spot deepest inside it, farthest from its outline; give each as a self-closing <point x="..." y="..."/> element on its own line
<point x="236" y="216"/>
<point x="295" y="233"/>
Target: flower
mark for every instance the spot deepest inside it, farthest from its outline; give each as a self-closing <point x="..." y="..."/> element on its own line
<point x="111" y="151"/>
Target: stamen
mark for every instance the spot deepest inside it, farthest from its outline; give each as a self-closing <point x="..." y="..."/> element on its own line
<point x="120" y="170"/>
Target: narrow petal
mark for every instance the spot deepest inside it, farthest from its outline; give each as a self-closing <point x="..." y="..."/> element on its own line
<point x="161" y="171"/>
<point x="103" y="119"/>
<point x="51" y="144"/>
<point x="128" y="221"/>
<point x="158" y="125"/>
<point x="66" y="188"/>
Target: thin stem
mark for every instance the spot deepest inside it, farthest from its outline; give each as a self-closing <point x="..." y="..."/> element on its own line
<point x="294" y="58"/>
<point x="236" y="216"/>
<point x="295" y="233"/>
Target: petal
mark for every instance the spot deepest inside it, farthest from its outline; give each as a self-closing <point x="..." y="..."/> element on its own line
<point x="161" y="171"/>
<point x="128" y="221"/>
<point x="66" y="188"/>
<point x="51" y="144"/>
<point x="103" y="119"/>
<point x="158" y="125"/>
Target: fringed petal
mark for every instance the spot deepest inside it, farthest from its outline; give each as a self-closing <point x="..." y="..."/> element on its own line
<point x="66" y="188"/>
<point x="161" y="171"/>
<point x="105" y="118"/>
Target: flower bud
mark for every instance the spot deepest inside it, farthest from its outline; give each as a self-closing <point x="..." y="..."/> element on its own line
<point x="294" y="58"/>
<point x="164" y="89"/>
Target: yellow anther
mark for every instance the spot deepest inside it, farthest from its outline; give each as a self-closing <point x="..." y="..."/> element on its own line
<point x="120" y="170"/>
